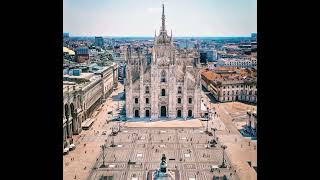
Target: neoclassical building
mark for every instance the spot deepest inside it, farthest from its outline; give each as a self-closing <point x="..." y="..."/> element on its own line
<point x="82" y="95"/>
<point x="231" y="84"/>
<point x="167" y="87"/>
<point x="72" y="113"/>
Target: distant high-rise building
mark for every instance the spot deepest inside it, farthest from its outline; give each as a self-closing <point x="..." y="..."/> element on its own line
<point x="253" y="42"/>
<point x="203" y="57"/>
<point x="99" y="41"/>
<point x="207" y="55"/>
<point x="65" y="35"/>
<point x="82" y="54"/>
<point x="253" y="36"/>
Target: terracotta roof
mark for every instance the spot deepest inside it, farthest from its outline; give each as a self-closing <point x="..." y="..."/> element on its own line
<point x="235" y="74"/>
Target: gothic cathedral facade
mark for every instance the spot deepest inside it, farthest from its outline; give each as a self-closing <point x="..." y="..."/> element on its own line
<point x="169" y="87"/>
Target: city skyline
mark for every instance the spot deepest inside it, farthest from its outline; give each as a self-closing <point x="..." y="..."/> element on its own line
<point x="125" y="18"/>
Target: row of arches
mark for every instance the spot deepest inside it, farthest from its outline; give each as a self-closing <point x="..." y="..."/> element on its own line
<point x="73" y="125"/>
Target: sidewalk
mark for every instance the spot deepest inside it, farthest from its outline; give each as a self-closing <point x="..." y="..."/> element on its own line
<point x="80" y="161"/>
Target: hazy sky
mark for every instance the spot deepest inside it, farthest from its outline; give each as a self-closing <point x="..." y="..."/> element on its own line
<point x="143" y="17"/>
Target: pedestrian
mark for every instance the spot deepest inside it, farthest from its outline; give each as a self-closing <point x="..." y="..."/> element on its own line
<point x="75" y="177"/>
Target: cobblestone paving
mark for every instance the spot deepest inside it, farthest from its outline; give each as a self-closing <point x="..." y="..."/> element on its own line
<point x="185" y="148"/>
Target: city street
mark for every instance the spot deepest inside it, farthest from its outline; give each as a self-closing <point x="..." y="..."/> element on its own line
<point x="239" y="149"/>
<point x="78" y="163"/>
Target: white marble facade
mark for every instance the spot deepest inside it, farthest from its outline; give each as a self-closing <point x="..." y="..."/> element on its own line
<point x="168" y="87"/>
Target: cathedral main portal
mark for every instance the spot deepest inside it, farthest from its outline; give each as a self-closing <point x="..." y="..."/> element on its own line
<point x="163" y="111"/>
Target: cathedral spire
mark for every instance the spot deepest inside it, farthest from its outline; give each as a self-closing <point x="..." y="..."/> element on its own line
<point x="163" y="28"/>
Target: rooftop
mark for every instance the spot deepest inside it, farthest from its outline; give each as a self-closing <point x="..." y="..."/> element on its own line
<point x="67" y="50"/>
<point x="228" y="75"/>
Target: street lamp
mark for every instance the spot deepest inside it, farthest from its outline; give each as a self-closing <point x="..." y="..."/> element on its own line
<point x="214" y="133"/>
<point x="208" y="118"/>
<point x="223" y="164"/>
<point x="103" y="156"/>
<point x="112" y="142"/>
<point x="119" y="127"/>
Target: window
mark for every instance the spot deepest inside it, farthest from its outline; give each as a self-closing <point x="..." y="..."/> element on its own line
<point x="232" y="92"/>
<point x="190" y="100"/>
<point x="147" y="90"/>
<point x="228" y="93"/>
<point x="136" y="100"/>
<point x="179" y="90"/>
<point x="237" y="92"/>
<point x="179" y="100"/>
<point x="147" y="100"/>
<point x="224" y="87"/>
<point x="232" y="86"/>
<point x="163" y="76"/>
<point x="189" y="113"/>
<point x="224" y="93"/>
<point x="163" y="92"/>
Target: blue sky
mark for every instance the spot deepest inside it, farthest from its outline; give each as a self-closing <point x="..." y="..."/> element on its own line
<point x="143" y="17"/>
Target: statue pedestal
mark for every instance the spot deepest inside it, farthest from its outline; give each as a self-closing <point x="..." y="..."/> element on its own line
<point x="169" y="175"/>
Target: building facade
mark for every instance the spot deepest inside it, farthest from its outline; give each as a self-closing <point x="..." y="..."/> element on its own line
<point x="82" y="54"/>
<point x="231" y="84"/>
<point x="72" y="113"/>
<point x="169" y="87"/>
<point x="238" y="63"/>
<point x="98" y="41"/>
<point x="82" y="94"/>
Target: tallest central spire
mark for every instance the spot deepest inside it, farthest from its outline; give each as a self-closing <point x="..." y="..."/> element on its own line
<point x="163" y="28"/>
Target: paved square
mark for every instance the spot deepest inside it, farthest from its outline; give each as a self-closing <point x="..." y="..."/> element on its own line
<point x="185" y="149"/>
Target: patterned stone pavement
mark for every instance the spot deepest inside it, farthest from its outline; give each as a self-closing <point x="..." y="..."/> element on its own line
<point x="185" y="149"/>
